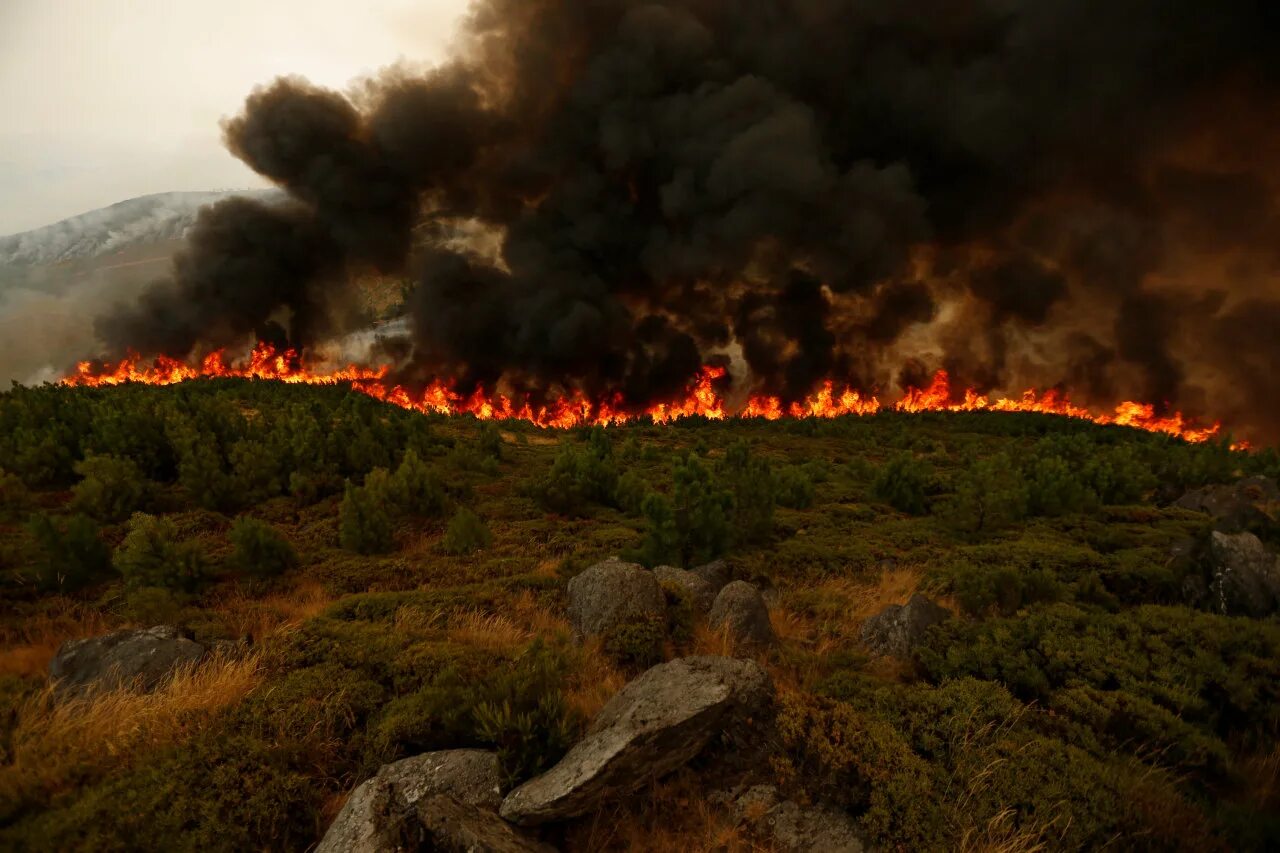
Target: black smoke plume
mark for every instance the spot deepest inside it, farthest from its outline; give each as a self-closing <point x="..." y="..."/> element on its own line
<point x="1024" y="192"/>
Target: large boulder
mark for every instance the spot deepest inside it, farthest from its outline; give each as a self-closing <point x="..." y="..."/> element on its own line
<point x="1235" y="506"/>
<point x="652" y="726"/>
<point x="140" y="659"/>
<point x="899" y="627"/>
<point x="699" y="589"/>
<point x="792" y="827"/>
<point x="380" y="814"/>
<point x="613" y="594"/>
<point x="740" y="610"/>
<point x="452" y="826"/>
<point x="1244" y="576"/>
<point x="716" y="573"/>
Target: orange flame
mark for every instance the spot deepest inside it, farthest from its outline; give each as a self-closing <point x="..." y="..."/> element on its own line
<point x="702" y="398"/>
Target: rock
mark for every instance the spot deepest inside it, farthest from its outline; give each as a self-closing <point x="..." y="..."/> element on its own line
<point x="141" y="659"/>
<point x="652" y="726"/>
<point x="1236" y="505"/>
<point x="898" y="628"/>
<point x="740" y="609"/>
<point x="715" y="573"/>
<point x="789" y="826"/>
<point x="698" y="587"/>
<point x="612" y="594"/>
<point x="451" y="826"/>
<point x="379" y="814"/>
<point x="1245" y="576"/>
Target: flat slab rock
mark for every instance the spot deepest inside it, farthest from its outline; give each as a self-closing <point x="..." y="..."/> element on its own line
<point x="612" y="594"/>
<point x="652" y="726"/>
<point x="451" y="826"/>
<point x="379" y="815"/>
<point x="899" y="627"/>
<point x="138" y="658"/>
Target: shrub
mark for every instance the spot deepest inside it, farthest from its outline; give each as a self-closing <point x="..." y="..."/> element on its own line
<point x="15" y="499"/>
<point x="70" y="553"/>
<point x="902" y="483"/>
<point x="260" y="550"/>
<point x="701" y="509"/>
<point x="112" y="488"/>
<point x="466" y="534"/>
<point x="579" y="476"/>
<point x="364" y="525"/>
<point x="1054" y="487"/>
<point x="490" y="440"/>
<point x="754" y="490"/>
<point x="416" y="490"/>
<point x="637" y="643"/>
<point x="661" y="538"/>
<point x="990" y="495"/>
<point x="631" y="493"/>
<point x="150" y="555"/>
<point x="794" y="488"/>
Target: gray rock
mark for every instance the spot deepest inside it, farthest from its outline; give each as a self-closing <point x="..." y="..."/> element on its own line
<point x="715" y="573"/>
<point x="612" y="594"/>
<point x="1245" y="576"/>
<point x="1235" y="505"/>
<point x="740" y="609"/>
<point x="792" y="827"/>
<point x="379" y="814"/>
<point x="898" y="628"/>
<point x="698" y="587"/>
<point x="652" y="726"/>
<point x="141" y="659"/>
<point x="451" y="826"/>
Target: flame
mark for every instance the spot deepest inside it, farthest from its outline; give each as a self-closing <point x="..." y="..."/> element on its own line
<point x="702" y="398"/>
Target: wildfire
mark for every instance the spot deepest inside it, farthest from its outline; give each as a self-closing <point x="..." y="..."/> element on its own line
<point x="703" y="398"/>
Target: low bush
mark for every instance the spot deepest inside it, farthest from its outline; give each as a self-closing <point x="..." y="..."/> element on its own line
<point x="151" y="555"/>
<point x="466" y="534"/>
<point x="902" y="483"/>
<point x="69" y="552"/>
<point x="111" y="489"/>
<point x="364" y="524"/>
<point x="260" y="550"/>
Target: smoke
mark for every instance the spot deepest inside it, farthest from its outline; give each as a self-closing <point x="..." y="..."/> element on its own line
<point x="1026" y="193"/>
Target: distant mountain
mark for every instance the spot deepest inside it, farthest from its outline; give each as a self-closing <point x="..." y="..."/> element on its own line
<point x="147" y="220"/>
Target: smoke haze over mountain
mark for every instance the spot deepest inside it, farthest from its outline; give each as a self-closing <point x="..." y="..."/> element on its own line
<point x="1023" y="193"/>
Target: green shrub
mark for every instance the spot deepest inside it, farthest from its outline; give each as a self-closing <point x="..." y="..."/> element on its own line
<point x="631" y="493"/>
<point x="754" y="489"/>
<point x="701" y="508"/>
<point x="580" y="476"/>
<point x="1054" y="487"/>
<point x="990" y="495"/>
<point x="902" y="483"/>
<point x="416" y="490"/>
<point x="794" y="487"/>
<point x="150" y="555"/>
<point x="111" y="490"/>
<point x="466" y="534"/>
<point x="15" y="499"/>
<point x="260" y="550"/>
<point x="490" y="440"/>
<point x="364" y="525"/>
<point x="636" y="644"/>
<point x="70" y="553"/>
<point x="661" y="539"/>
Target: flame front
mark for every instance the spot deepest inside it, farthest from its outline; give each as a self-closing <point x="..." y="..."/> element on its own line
<point x="703" y="398"/>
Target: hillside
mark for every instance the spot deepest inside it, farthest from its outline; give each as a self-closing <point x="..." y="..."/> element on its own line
<point x="362" y="584"/>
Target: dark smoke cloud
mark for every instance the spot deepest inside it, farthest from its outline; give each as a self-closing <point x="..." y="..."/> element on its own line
<point x="1048" y="189"/>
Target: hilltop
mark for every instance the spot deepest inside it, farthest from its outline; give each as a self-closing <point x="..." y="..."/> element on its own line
<point x="359" y="584"/>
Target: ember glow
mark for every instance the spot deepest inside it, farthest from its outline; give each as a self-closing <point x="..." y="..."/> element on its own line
<point x="704" y="397"/>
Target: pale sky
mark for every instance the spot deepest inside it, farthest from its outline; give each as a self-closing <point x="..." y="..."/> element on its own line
<point x="104" y="100"/>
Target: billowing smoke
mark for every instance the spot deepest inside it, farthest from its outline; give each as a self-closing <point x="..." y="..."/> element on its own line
<point x="1026" y="193"/>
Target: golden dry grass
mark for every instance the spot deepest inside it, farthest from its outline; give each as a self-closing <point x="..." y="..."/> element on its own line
<point x="1003" y="834"/>
<point x="56" y="741"/>
<point x="670" y="815"/>
<point x="261" y="618"/>
<point x="27" y="650"/>
<point x="491" y="631"/>
<point x="594" y="681"/>
<point x="1261" y="772"/>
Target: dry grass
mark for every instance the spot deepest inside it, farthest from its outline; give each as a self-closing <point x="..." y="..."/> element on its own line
<point x="1261" y="772"/>
<point x="26" y="651"/>
<point x="594" y="682"/>
<point x="491" y="631"/>
<point x="58" y="742"/>
<point x="1003" y="834"/>
<point x="261" y="618"/>
<point x="670" y="815"/>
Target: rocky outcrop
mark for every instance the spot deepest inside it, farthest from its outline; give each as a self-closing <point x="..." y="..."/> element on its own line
<point x="652" y="726"/>
<point x="788" y="826"/>
<point x="740" y="610"/>
<point x="699" y="589"/>
<point x="899" y="627"/>
<point x="1235" y="506"/>
<point x="140" y="659"/>
<point x="612" y="594"/>
<point x="452" y="826"/>
<point x="380" y="815"/>
<point x="715" y="573"/>
<point x="1244" y="576"/>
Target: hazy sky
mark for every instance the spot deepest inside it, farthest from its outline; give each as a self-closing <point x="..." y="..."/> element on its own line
<point x="104" y="100"/>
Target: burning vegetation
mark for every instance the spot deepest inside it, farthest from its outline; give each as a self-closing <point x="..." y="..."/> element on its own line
<point x="598" y="204"/>
<point x="702" y="398"/>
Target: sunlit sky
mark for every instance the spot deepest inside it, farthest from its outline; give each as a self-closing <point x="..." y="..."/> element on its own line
<point x="105" y="100"/>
